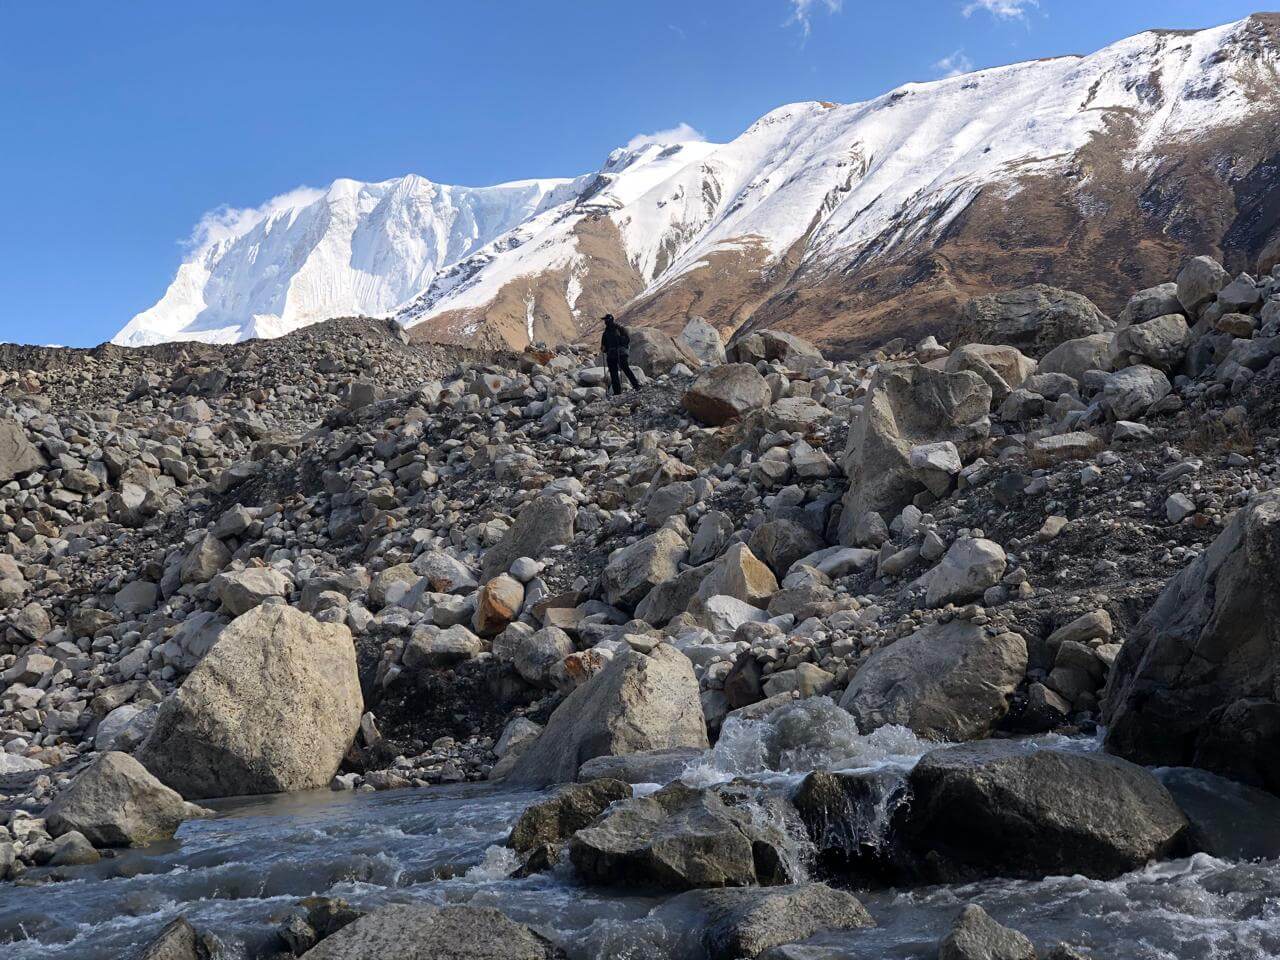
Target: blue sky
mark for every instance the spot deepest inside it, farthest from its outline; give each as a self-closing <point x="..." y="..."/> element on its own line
<point x="121" y="124"/>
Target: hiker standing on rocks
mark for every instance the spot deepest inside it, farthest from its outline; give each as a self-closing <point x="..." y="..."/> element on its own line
<point x="616" y="343"/>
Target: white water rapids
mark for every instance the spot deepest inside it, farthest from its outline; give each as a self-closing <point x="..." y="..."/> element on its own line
<point x="238" y="874"/>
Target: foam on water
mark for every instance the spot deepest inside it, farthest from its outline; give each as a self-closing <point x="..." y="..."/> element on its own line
<point x="239" y="873"/>
<point x="807" y="735"/>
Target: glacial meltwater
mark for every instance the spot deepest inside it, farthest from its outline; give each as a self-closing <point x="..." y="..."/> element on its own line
<point x="238" y="874"/>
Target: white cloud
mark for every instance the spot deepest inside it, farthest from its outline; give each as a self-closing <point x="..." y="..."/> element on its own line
<point x="680" y="133"/>
<point x="954" y="65"/>
<point x="226" y="223"/>
<point x="1001" y="9"/>
<point x="802" y="11"/>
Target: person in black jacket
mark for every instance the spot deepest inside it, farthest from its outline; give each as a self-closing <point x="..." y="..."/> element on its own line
<point x="616" y="344"/>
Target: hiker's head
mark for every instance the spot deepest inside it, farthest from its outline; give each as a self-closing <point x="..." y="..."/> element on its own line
<point x="608" y="320"/>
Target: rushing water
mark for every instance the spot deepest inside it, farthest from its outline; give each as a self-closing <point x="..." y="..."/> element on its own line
<point x="238" y="873"/>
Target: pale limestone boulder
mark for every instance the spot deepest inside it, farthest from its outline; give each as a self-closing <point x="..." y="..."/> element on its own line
<point x="272" y="708"/>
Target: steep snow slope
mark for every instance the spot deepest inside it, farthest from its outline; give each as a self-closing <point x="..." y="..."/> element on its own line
<point x="812" y="210"/>
<point x="357" y="248"/>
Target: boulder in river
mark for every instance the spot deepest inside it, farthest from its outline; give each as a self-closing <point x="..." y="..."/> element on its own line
<point x="638" y="702"/>
<point x="732" y="924"/>
<point x="117" y="803"/>
<point x="425" y="932"/>
<point x="680" y="838"/>
<point x="1003" y="809"/>
<point x="179" y="940"/>
<point x="568" y="810"/>
<point x="976" y="936"/>
<point x="271" y="708"/>
<point x="1196" y="684"/>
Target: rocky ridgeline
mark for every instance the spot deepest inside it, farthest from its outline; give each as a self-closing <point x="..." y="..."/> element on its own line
<point x="339" y="559"/>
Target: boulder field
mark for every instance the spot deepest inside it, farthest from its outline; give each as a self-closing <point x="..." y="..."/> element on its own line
<point x="346" y="561"/>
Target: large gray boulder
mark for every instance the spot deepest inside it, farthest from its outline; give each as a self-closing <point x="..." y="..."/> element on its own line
<point x="424" y="932"/>
<point x="1004" y="368"/>
<point x="726" y="393"/>
<point x="634" y="570"/>
<point x="1074" y="357"/>
<point x="947" y="681"/>
<point x="1157" y="301"/>
<point x="1162" y="342"/>
<point x="968" y="568"/>
<point x="656" y="352"/>
<point x="1001" y="808"/>
<point x="703" y="340"/>
<point x="1034" y="319"/>
<point x="18" y="455"/>
<point x="773" y="345"/>
<point x="975" y="936"/>
<point x="1198" y="682"/>
<point x="543" y="523"/>
<point x="731" y="924"/>
<point x="271" y="708"/>
<point x="117" y="803"/>
<point x="242" y="590"/>
<point x="905" y="407"/>
<point x="205" y="560"/>
<point x="1199" y="282"/>
<point x="638" y="702"/>
<point x="1129" y="393"/>
<point x="680" y="838"/>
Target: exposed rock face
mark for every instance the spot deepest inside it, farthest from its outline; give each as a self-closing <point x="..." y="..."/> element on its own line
<point x="1196" y="683"/>
<point x="997" y="808"/>
<point x="18" y="455"/>
<point x="271" y="708"/>
<point x="727" y="393"/>
<point x="905" y="407"/>
<point x="1034" y="319"/>
<point x="425" y="932"/>
<point x="976" y="936"/>
<point x="679" y="838"/>
<point x="568" y="810"/>
<point x="117" y="803"/>
<point x="743" y="923"/>
<point x="636" y="703"/>
<point x="544" y="523"/>
<point x="947" y="681"/>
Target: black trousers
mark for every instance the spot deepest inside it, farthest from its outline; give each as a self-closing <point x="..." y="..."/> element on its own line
<point x="618" y="362"/>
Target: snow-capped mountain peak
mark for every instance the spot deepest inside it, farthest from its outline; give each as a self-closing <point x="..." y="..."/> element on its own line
<point x="824" y="217"/>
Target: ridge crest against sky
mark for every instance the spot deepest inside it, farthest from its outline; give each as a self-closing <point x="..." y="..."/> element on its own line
<point x="134" y="121"/>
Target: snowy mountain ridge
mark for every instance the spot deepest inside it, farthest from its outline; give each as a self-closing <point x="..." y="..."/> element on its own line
<point x="807" y="196"/>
